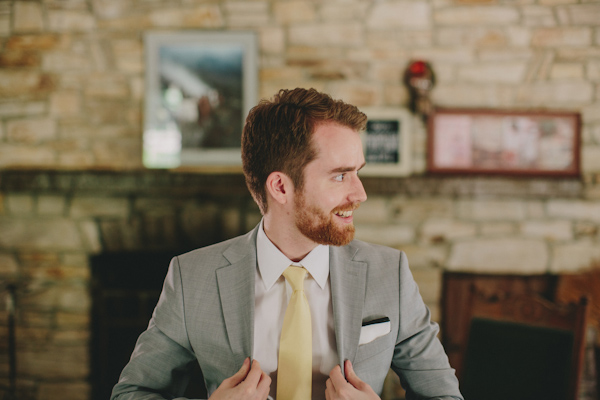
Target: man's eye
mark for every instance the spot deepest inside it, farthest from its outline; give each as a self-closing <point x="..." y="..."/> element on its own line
<point x="340" y="177"/>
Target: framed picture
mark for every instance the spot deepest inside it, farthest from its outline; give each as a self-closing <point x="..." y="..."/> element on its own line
<point x="541" y="142"/>
<point x="199" y="89"/>
<point x="386" y="142"/>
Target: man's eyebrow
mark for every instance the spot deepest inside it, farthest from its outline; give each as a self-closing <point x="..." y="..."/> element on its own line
<point x="346" y="169"/>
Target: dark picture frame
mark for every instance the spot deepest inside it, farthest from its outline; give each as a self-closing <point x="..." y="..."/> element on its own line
<point x="507" y="142"/>
<point x="387" y="142"/>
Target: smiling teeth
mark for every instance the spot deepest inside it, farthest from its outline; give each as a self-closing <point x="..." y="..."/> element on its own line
<point x="344" y="214"/>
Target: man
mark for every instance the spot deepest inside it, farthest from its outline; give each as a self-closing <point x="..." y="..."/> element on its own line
<point x="225" y="304"/>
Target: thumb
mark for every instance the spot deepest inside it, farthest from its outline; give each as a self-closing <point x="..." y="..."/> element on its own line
<point x="351" y="376"/>
<point x="239" y="376"/>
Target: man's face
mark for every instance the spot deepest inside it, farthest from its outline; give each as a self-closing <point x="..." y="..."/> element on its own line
<point x="332" y="189"/>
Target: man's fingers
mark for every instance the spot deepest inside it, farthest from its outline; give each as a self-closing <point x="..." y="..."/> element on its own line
<point x="264" y="386"/>
<point x="239" y="376"/>
<point x="254" y="375"/>
<point x="336" y="377"/>
<point x="351" y="376"/>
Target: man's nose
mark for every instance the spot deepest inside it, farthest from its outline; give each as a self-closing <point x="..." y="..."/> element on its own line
<point x="358" y="194"/>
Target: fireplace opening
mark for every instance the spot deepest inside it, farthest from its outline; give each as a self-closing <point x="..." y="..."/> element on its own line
<point x="125" y="289"/>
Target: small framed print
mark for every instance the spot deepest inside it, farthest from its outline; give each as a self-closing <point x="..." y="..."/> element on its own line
<point x="511" y="142"/>
<point x="386" y="142"/>
<point x="200" y="86"/>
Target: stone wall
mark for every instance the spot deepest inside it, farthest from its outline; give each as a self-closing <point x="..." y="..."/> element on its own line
<point x="71" y="99"/>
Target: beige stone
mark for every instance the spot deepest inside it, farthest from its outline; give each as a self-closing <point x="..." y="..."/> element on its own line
<point x="51" y="205"/>
<point x="272" y="40"/>
<point x="31" y="131"/>
<point x="556" y="2"/>
<point x="128" y="55"/>
<point x="536" y="15"/>
<point x="472" y="36"/>
<point x="345" y="35"/>
<point x="491" y="229"/>
<point x="574" y="209"/>
<point x="414" y="211"/>
<point x="208" y="16"/>
<point x="75" y="298"/>
<point x="489" y="210"/>
<point x="359" y="94"/>
<point x="496" y="72"/>
<point x="19" y="204"/>
<point x="65" y="103"/>
<point x="567" y="71"/>
<point x="107" y="87"/>
<point x="72" y="320"/>
<point x="548" y="230"/>
<point x="8" y="264"/>
<point x="71" y="21"/>
<point x="556" y="93"/>
<point x="429" y="281"/>
<point x="425" y="255"/>
<point x="501" y="255"/>
<point x="593" y="70"/>
<point x="55" y="362"/>
<point x="66" y="61"/>
<point x="64" y="391"/>
<point x="404" y="14"/>
<point x="25" y="156"/>
<point x="444" y="230"/>
<point x="94" y="206"/>
<point x="122" y="154"/>
<point x="16" y="108"/>
<point x="591" y="113"/>
<point x="39" y="42"/>
<point x="590" y="159"/>
<point x="563" y="36"/>
<point x="247" y="7"/>
<point x="575" y="256"/>
<point x="91" y="236"/>
<point x="285" y="73"/>
<point x="387" y="235"/>
<point x="4" y="25"/>
<point x="290" y="12"/>
<point x="374" y="210"/>
<point x="343" y="10"/>
<point x="39" y="234"/>
<point x="28" y="17"/>
<point x="476" y="15"/>
<point x="14" y="83"/>
<point x="584" y="14"/>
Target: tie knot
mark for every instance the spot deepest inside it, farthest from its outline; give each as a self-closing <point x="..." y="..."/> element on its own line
<point x="295" y="277"/>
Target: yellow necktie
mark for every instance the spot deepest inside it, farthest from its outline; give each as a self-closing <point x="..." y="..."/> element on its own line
<point x="294" y="375"/>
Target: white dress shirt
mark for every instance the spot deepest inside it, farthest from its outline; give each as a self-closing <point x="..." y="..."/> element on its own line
<point x="272" y="294"/>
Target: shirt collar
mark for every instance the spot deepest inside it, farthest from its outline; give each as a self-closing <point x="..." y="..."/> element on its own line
<point x="272" y="262"/>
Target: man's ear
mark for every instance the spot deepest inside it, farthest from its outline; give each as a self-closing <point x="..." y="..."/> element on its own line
<point x="279" y="187"/>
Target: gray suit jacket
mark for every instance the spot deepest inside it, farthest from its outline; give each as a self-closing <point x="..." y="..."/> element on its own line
<point x="206" y="312"/>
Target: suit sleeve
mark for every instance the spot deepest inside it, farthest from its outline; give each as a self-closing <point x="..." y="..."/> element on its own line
<point x="160" y="363"/>
<point x="419" y="358"/>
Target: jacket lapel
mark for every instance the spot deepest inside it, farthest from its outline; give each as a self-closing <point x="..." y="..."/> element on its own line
<point x="348" y="286"/>
<point x="236" y="291"/>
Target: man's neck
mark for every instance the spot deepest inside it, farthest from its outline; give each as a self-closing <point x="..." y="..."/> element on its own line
<point x="287" y="238"/>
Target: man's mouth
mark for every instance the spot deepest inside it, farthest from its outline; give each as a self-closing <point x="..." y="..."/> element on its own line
<point x="344" y="214"/>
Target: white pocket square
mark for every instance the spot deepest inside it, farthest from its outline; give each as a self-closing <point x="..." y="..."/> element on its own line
<point x="373" y="330"/>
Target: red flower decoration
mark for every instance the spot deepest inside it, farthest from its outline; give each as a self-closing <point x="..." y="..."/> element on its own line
<point x="418" y="68"/>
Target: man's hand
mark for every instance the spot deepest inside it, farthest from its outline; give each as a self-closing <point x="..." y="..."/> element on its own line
<point x="247" y="383"/>
<point x="352" y="388"/>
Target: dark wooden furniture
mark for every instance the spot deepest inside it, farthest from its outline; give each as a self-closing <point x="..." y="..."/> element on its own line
<point x="456" y="292"/>
<point x="522" y="346"/>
